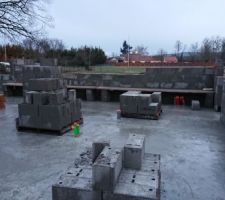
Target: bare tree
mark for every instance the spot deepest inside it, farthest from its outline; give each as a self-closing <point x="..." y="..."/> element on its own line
<point x="194" y="50"/>
<point x="141" y="50"/>
<point x="178" y="47"/>
<point x="25" y="18"/>
<point x="162" y="53"/>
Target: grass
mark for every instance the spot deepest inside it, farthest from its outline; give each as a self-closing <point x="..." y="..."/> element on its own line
<point x="106" y="70"/>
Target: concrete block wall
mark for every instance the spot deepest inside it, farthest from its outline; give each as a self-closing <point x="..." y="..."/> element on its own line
<point x="195" y="78"/>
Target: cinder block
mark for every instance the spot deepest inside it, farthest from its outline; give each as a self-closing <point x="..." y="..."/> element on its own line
<point x="89" y="95"/>
<point x="195" y="105"/>
<point x="105" y="95"/>
<point x="56" y="97"/>
<point x="134" y="151"/>
<point x="156" y="97"/>
<point x="129" y="103"/>
<point x="72" y="95"/>
<point x="40" y="98"/>
<point x="43" y="84"/>
<point x="97" y="148"/>
<point x="154" y="108"/>
<point x="54" y="117"/>
<point x="29" y="97"/>
<point x="143" y="103"/>
<point x="106" y="169"/>
<point x="141" y="184"/>
<point x="28" y="115"/>
<point x="75" y="110"/>
<point x="73" y="187"/>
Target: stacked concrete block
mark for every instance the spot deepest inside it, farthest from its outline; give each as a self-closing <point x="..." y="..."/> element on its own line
<point x="106" y="179"/>
<point x="106" y="169"/>
<point x="218" y="92"/>
<point x="195" y="105"/>
<point x="134" y="151"/>
<point x="54" y="110"/>
<point x="143" y="103"/>
<point x="135" y="104"/>
<point x="75" y="184"/>
<point x="97" y="148"/>
<point x="157" y="97"/>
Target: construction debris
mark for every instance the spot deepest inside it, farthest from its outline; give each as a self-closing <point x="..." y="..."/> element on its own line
<point x="107" y="179"/>
<point x="137" y="105"/>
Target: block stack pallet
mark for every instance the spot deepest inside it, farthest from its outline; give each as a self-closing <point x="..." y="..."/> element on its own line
<point x="47" y="106"/>
<point x="117" y="173"/>
<point x="144" y="106"/>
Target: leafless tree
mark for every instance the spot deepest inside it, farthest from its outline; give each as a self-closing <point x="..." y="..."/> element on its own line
<point x="178" y="47"/>
<point x="141" y="50"/>
<point x="194" y="50"/>
<point x="26" y="18"/>
<point x="162" y="53"/>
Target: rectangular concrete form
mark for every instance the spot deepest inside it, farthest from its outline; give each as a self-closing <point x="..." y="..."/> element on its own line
<point x="97" y="148"/>
<point x="106" y="169"/>
<point x="134" y="151"/>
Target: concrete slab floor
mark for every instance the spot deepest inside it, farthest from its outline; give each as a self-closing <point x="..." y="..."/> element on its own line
<point x="191" y="144"/>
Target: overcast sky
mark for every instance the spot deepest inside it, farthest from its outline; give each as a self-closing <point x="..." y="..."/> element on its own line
<point x="152" y="23"/>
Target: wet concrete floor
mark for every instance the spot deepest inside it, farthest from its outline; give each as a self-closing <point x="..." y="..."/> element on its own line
<point x="191" y="144"/>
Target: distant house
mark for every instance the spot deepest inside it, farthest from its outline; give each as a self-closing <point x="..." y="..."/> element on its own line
<point x="138" y="58"/>
<point x="170" y="59"/>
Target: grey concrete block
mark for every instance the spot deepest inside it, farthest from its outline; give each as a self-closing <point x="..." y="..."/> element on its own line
<point x="156" y="97"/>
<point x="97" y="148"/>
<point x="72" y="95"/>
<point x="105" y="95"/>
<point x="54" y="117"/>
<point x="73" y="188"/>
<point x="29" y="97"/>
<point x="43" y="84"/>
<point x="129" y="103"/>
<point x="154" y="108"/>
<point x="141" y="184"/>
<point x="106" y="169"/>
<point x="132" y="191"/>
<point x="89" y="95"/>
<point x="40" y="98"/>
<point x="143" y="103"/>
<point x="134" y="151"/>
<point x="195" y="105"/>
<point x="29" y="115"/>
<point x="75" y="110"/>
<point x="56" y="97"/>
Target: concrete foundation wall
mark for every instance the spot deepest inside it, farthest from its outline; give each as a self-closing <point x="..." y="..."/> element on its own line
<point x="163" y="78"/>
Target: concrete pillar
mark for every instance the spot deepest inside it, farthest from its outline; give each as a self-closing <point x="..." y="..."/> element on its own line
<point x="105" y="96"/>
<point x="89" y="95"/>
<point x="209" y="100"/>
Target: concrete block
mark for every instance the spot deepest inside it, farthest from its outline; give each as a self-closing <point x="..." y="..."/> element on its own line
<point x="129" y="103"/>
<point x="97" y="148"/>
<point x="56" y="97"/>
<point x="75" y="110"/>
<point x="106" y="169"/>
<point x="154" y="108"/>
<point x="73" y="187"/>
<point x="72" y="95"/>
<point x="29" y="115"/>
<point x="105" y="95"/>
<point x="54" y="117"/>
<point x="89" y="95"/>
<point x="195" y="105"/>
<point x="40" y="98"/>
<point x="156" y="97"/>
<point x="29" y="97"/>
<point x="43" y="84"/>
<point x="134" y="151"/>
<point x="143" y="103"/>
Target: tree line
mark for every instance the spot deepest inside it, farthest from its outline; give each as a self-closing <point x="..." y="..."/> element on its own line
<point x="54" y="48"/>
<point x="208" y="51"/>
